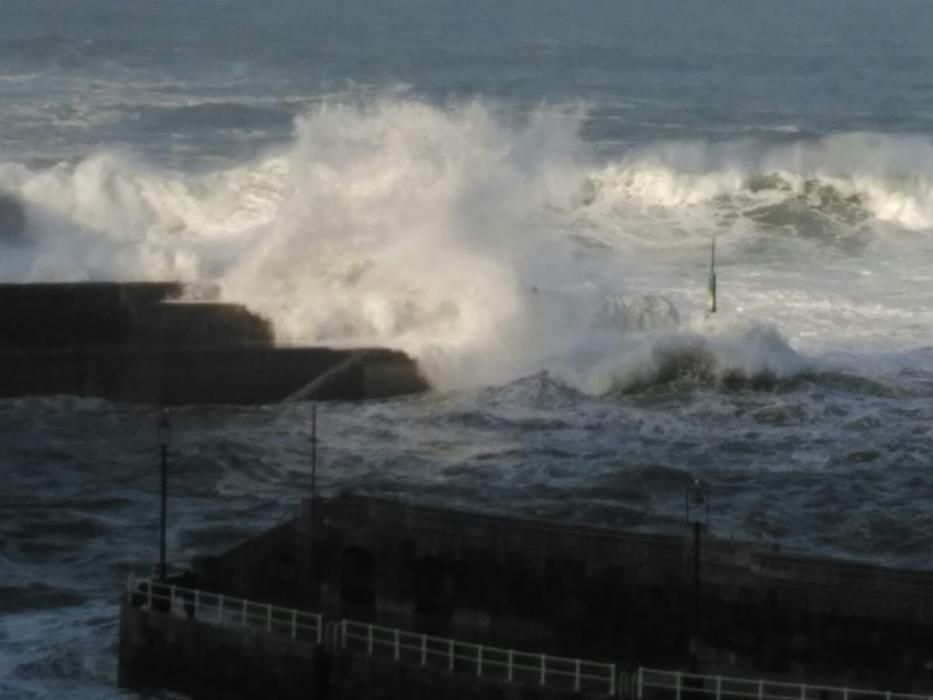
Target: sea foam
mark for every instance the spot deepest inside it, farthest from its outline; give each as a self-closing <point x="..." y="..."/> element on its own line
<point x="489" y="246"/>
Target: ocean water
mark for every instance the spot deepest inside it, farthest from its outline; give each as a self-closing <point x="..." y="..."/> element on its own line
<point x="522" y="195"/>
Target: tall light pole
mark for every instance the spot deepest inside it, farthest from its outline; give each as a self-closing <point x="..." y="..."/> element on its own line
<point x="313" y="452"/>
<point x="164" y="427"/>
<point x="698" y="497"/>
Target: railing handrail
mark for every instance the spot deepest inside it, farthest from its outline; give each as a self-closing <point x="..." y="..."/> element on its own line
<point x="482" y="657"/>
<point x="239" y="608"/>
<point x="474" y="645"/>
<point x="543" y="664"/>
<point x="757" y="686"/>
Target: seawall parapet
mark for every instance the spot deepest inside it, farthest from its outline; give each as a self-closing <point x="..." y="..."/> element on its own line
<point x="140" y="342"/>
<point x="631" y="599"/>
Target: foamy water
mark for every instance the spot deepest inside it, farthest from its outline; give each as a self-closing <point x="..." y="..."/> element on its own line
<point x="493" y="248"/>
<point x="522" y="198"/>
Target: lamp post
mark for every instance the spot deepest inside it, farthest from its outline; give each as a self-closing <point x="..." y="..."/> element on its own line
<point x="164" y="428"/>
<point x="313" y="452"/>
<point x="696" y="496"/>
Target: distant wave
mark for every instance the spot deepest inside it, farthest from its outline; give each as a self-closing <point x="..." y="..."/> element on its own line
<point x="814" y="184"/>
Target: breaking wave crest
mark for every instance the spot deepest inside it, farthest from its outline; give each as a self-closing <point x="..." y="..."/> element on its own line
<point x="489" y="246"/>
<point x="809" y="187"/>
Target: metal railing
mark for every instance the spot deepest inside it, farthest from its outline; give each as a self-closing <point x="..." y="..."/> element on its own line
<point x="485" y="661"/>
<point x="654" y="684"/>
<point x="490" y="662"/>
<point x="400" y="645"/>
<point x="224" y="611"/>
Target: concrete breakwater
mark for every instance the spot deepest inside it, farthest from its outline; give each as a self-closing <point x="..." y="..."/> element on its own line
<point x="627" y="599"/>
<point x="139" y="342"/>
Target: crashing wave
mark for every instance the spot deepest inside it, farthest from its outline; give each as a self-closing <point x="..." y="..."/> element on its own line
<point x="488" y="248"/>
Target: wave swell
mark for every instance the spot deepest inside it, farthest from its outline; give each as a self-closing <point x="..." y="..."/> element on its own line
<point x="488" y="246"/>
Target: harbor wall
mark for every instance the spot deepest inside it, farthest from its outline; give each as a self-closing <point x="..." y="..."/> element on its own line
<point x="623" y="597"/>
<point x="158" y="650"/>
<point x="194" y="375"/>
<point x="161" y="650"/>
<point x="138" y="342"/>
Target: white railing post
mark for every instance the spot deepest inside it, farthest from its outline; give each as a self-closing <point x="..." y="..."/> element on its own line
<point x="397" y="649"/>
<point x="268" y="618"/>
<point x="243" y="613"/>
<point x="424" y="650"/>
<point x="320" y="628"/>
<point x="678" y="686"/>
<point x="761" y="690"/>
<point x="510" y="666"/>
<point x="845" y="694"/>
<point x="343" y="634"/>
<point x="451" y="664"/>
<point x="803" y="691"/>
<point x="640" y="683"/>
<point x="576" y="676"/>
<point x="294" y="624"/>
<point x="479" y="660"/>
<point x="612" y="680"/>
<point x="369" y="640"/>
<point x="543" y="669"/>
<point x="718" y="687"/>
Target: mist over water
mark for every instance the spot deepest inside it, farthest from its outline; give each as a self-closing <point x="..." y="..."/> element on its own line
<point x="521" y="196"/>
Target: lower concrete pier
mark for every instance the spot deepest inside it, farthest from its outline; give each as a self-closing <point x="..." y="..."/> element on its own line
<point x="140" y="342"/>
<point x="213" y="646"/>
<point x="208" y="374"/>
<point x="496" y="589"/>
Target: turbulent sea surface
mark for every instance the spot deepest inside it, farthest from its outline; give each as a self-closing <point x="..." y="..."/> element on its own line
<point x="520" y="194"/>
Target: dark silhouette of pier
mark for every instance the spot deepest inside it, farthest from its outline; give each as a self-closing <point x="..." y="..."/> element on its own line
<point x="144" y="343"/>
<point x="611" y="605"/>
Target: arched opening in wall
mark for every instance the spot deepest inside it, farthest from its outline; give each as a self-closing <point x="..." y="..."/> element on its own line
<point x="434" y="589"/>
<point x="357" y="597"/>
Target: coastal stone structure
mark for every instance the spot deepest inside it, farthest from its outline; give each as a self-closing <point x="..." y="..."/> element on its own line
<point x="628" y="598"/>
<point x="141" y="342"/>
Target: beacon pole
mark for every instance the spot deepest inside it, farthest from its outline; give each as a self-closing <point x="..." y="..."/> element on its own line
<point x="313" y="452"/>
<point x="165" y="430"/>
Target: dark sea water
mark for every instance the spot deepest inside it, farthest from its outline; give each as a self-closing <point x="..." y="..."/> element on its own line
<point x="520" y="194"/>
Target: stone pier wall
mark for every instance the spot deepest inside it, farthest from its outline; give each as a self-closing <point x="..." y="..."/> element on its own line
<point x="136" y="342"/>
<point x="159" y="650"/>
<point x="625" y="598"/>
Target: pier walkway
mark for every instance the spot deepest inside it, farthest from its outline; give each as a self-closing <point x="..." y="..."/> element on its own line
<point x="573" y="675"/>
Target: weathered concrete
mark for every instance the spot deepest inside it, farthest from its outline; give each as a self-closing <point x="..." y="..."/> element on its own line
<point x="160" y="650"/>
<point x="82" y="315"/>
<point x="592" y="592"/>
<point x="135" y="342"/>
<point x="184" y="376"/>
